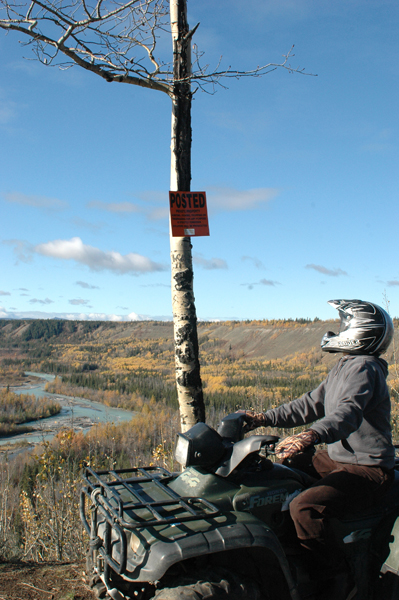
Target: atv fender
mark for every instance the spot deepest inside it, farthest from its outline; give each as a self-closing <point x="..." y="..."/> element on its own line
<point x="246" y="532"/>
<point x="392" y="562"/>
<point x="391" y="506"/>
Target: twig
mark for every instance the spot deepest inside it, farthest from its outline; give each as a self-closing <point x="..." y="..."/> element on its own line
<point x="36" y="588"/>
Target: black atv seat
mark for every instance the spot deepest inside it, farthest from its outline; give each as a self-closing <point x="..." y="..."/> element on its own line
<point x="388" y="503"/>
<point x="284" y="472"/>
<point x="391" y="498"/>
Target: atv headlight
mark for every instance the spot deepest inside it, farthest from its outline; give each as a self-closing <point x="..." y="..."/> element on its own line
<point x="199" y="446"/>
<point x="135" y="543"/>
<point x="182" y="450"/>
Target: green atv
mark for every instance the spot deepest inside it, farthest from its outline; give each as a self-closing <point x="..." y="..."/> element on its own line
<point x="221" y="528"/>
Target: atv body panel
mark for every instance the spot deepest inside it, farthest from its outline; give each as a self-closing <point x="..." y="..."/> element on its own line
<point x="147" y="524"/>
<point x="392" y="562"/>
<point x="391" y="505"/>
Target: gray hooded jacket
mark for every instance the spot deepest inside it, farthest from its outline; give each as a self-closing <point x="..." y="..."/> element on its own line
<point x="353" y="408"/>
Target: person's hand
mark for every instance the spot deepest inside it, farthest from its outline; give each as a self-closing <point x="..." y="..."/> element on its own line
<point x="254" y="419"/>
<point x="296" y="443"/>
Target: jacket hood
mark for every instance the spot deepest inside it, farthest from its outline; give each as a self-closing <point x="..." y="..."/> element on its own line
<point x="376" y="359"/>
<point x="384" y="365"/>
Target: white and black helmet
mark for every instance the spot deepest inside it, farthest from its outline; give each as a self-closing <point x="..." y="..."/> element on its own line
<point x="365" y="329"/>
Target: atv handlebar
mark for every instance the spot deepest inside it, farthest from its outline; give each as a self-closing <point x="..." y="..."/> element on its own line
<point x="233" y="427"/>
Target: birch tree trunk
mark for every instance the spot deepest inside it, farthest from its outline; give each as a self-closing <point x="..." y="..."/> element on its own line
<point x="188" y="379"/>
<point x="117" y="42"/>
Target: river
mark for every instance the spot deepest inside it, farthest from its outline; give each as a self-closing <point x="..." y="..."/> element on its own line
<point x="77" y="413"/>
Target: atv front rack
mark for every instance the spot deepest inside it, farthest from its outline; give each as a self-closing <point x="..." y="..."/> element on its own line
<point x="130" y="499"/>
<point x="139" y="497"/>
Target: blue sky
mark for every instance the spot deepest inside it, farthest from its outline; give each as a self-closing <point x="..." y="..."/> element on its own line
<point x="301" y="172"/>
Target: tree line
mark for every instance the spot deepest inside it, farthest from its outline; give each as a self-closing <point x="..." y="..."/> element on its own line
<point x="16" y="409"/>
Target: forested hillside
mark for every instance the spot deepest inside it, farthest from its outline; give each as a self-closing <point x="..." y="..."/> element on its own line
<point x="255" y="362"/>
<point x="125" y="363"/>
<point x="131" y="365"/>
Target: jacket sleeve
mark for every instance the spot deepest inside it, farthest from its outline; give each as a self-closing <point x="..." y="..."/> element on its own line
<point x="351" y="395"/>
<point x="306" y="409"/>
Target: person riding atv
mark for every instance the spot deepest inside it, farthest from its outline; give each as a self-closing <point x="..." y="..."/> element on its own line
<point x="350" y="412"/>
<point x="231" y="524"/>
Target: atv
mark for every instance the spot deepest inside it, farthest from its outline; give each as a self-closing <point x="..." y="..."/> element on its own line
<point x="221" y="527"/>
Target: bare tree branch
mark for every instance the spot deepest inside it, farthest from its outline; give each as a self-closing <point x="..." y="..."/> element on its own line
<point x="115" y="40"/>
<point x="123" y="42"/>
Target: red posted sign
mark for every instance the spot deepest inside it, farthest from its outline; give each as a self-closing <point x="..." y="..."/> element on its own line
<point x="188" y="214"/>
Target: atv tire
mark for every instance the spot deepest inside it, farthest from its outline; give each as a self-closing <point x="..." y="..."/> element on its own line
<point x="223" y="585"/>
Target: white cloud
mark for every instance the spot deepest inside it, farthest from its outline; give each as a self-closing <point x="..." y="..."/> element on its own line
<point x="87" y="286"/>
<point x="268" y="282"/>
<point x="4" y="293"/>
<point x="117" y="207"/>
<point x="78" y="301"/>
<point x="158" y="213"/>
<point x="381" y="142"/>
<point x="326" y="271"/>
<point x="21" y="249"/>
<point x="38" y="301"/>
<point x="35" y="314"/>
<point x="7" y="111"/>
<point x="84" y="224"/>
<point x="229" y="199"/>
<point x="35" y="201"/>
<point x="255" y="261"/>
<point x="210" y="264"/>
<point x="393" y="283"/>
<point x="96" y="259"/>
<point x="133" y="317"/>
<point x="155" y="205"/>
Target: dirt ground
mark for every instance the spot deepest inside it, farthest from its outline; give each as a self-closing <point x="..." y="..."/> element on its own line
<point x="43" y="581"/>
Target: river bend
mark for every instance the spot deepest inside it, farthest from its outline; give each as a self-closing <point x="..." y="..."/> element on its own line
<point x="77" y="413"/>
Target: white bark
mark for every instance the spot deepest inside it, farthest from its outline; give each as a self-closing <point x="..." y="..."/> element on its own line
<point x="188" y="381"/>
<point x="117" y="41"/>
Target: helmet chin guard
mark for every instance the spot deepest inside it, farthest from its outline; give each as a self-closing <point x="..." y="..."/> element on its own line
<point x="365" y="328"/>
